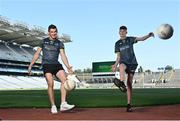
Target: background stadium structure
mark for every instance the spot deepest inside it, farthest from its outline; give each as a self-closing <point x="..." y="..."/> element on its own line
<point x="102" y="77"/>
<point x="17" y="47"/>
<point x="17" y="43"/>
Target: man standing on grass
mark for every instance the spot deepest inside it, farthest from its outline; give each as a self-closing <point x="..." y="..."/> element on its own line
<point x="127" y="62"/>
<point x="51" y="47"/>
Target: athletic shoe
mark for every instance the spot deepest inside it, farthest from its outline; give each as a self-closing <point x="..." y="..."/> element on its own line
<point x="54" y="109"/>
<point x="65" y="107"/>
<point x="120" y="84"/>
<point x="129" y="108"/>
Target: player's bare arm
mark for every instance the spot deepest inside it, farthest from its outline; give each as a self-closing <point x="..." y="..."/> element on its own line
<point x="65" y="60"/>
<point x="151" y="34"/>
<point x="35" y="57"/>
<point x="117" y="62"/>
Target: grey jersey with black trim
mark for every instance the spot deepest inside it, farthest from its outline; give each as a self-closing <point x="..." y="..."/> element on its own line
<point x="50" y="50"/>
<point x="125" y="47"/>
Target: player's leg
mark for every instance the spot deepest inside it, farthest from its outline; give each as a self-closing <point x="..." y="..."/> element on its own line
<point x="129" y="91"/>
<point x="129" y="87"/>
<point x="50" y="83"/>
<point x="120" y="83"/>
<point x="61" y="75"/>
<point x="122" y="69"/>
<point x="130" y="71"/>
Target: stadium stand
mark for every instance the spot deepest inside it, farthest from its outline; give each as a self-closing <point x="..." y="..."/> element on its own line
<point x="17" y="43"/>
<point x="168" y="79"/>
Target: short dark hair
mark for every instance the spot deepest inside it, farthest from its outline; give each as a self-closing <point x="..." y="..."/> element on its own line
<point x="123" y="27"/>
<point x="52" y="27"/>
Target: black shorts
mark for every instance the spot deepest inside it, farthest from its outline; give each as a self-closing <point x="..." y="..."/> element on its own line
<point x="130" y="68"/>
<point x="52" y="68"/>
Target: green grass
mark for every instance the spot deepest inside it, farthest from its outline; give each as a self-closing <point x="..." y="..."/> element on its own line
<point x="90" y="98"/>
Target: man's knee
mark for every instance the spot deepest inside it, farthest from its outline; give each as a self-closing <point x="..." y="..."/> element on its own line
<point x="50" y="84"/>
<point x="129" y="84"/>
<point x="61" y="76"/>
<point x="129" y="81"/>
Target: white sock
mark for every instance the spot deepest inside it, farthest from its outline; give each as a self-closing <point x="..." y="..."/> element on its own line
<point x="53" y="105"/>
<point x="62" y="103"/>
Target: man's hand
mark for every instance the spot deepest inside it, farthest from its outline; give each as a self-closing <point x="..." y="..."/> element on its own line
<point x="151" y="34"/>
<point x="113" y="68"/>
<point x="70" y="70"/>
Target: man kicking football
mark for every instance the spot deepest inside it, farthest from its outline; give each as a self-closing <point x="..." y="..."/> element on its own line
<point x="127" y="62"/>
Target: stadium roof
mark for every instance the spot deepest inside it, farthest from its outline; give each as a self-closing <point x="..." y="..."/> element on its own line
<point x="21" y="34"/>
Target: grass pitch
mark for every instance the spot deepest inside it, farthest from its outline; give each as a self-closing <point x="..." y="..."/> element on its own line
<point x="90" y="98"/>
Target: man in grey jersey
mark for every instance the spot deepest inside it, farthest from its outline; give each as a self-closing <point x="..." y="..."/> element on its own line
<point x="51" y="48"/>
<point x="127" y="62"/>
